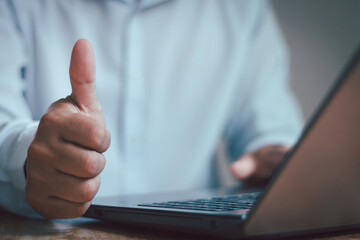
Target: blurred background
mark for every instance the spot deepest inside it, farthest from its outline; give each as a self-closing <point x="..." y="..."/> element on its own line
<point x="321" y="35"/>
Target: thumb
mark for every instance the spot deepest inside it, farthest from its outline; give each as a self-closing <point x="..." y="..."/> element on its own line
<point x="82" y="76"/>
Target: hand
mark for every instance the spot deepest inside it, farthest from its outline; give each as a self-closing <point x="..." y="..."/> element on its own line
<point x="65" y="157"/>
<point x="257" y="167"/>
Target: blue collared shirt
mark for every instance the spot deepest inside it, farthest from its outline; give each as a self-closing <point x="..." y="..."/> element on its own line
<point x="175" y="79"/>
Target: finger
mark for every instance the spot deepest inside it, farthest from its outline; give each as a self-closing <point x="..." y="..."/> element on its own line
<point x="52" y="207"/>
<point x="56" y="208"/>
<point x="250" y="169"/>
<point x="78" y="161"/>
<point x="63" y="209"/>
<point x="82" y="76"/>
<point x="51" y="182"/>
<point x="85" y="131"/>
<point x="260" y="165"/>
<point x="244" y="167"/>
<point x="73" y="189"/>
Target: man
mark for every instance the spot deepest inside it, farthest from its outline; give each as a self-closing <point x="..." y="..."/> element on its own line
<point x="172" y="79"/>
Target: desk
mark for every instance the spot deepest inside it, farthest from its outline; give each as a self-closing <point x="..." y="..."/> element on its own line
<point x="16" y="227"/>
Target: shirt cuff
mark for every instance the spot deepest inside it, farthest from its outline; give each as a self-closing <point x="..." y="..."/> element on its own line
<point x="18" y="155"/>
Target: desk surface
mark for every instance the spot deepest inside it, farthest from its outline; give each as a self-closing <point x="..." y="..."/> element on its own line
<point x="16" y="227"/>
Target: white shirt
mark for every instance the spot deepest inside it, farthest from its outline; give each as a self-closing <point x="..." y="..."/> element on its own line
<point x="174" y="78"/>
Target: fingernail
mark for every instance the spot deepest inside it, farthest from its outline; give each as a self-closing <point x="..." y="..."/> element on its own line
<point x="244" y="167"/>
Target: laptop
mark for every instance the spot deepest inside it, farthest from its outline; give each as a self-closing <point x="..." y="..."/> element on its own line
<point x="315" y="189"/>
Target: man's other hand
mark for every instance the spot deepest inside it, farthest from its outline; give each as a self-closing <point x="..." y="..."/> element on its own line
<point x="65" y="157"/>
<point x="257" y="167"/>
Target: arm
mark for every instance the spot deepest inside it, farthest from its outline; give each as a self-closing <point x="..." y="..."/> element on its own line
<point x="65" y="157"/>
<point x="63" y="150"/>
<point x="16" y="125"/>
<point x="267" y="124"/>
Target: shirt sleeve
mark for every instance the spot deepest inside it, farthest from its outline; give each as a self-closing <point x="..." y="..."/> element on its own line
<point x="268" y="114"/>
<point x="17" y="128"/>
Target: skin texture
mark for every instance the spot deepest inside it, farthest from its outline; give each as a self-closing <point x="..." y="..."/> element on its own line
<point x="258" y="167"/>
<point x="65" y="157"/>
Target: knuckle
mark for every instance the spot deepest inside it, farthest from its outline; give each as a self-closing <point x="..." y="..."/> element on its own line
<point x="38" y="154"/>
<point x="97" y="134"/>
<point x="37" y="151"/>
<point x="88" y="190"/>
<point x="56" y="113"/>
<point x="90" y="165"/>
<point x="48" y="119"/>
<point x="49" y="122"/>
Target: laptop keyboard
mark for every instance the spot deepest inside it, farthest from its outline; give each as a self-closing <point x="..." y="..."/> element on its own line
<point x="215" y="204"/>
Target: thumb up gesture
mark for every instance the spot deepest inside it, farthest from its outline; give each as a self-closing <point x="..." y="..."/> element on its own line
<point x="66" y="156"/>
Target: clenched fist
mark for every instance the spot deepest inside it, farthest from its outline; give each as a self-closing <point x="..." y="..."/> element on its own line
<point x="65" y="157"/>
